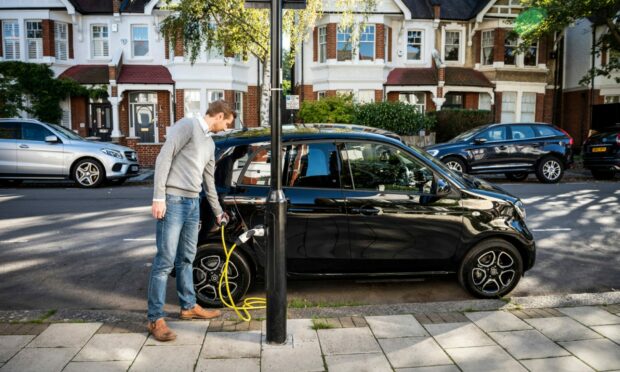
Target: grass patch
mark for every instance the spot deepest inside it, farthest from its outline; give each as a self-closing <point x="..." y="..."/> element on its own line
<point x="39" y="320"/>
<point x="300" y="303"/>
<point x="320" y="324"/>
<point x="506" y="299"/>
<point x="469" y="310"/>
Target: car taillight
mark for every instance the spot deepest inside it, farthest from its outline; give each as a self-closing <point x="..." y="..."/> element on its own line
<point x="570" y="139"/>
<point x="618" y="139"/>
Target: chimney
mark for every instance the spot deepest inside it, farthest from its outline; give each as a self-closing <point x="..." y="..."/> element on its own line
<point x="436" y="9"/>
<point x="116" y="6"/>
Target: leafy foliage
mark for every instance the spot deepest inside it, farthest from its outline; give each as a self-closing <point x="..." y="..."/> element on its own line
<point x="397" y="117"/>
<point x="451" y="123"/>
<point x="338" y="109"/>
<point x="555" y="15"/>
<point x="36" y="83"/>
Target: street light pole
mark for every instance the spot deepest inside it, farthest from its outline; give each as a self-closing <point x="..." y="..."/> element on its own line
<point x="276" y="202"/>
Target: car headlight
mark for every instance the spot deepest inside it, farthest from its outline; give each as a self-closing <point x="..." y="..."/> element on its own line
<point x="113" y="153"/>
<point x="433" y="152"/>
<point x="520" y="209"/>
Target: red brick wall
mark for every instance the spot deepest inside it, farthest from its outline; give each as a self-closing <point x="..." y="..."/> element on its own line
<point x="542" y="49"/>
<point x="229" y="97"/>
<point x="179" y="110"/>
<point x="315" y="44"/>
<point x="548" y="106"/>
<point x="331" y="41"/>
<point x="308" y="93"/>
<point x="498" y="49"/>
<point x="540" y="107"/>
<point x="251" y="116"/>
<point x="389" y="44"/>
<point x="477" y="40"/>
<point x="147" y="153"/>
<point x="166" y="47"/>
<point x="378" y="95"/>
<point x="380" y="41"/>
<point x="498" y="107"/>
<point x="178" y="47"/>
<point x="123" y="115"/>
<point x="430" y="105"/>
<point x="70" y="30"/>
<point x="471" y="101"/>
<point x="79" y="115"/>
<point x="392" y="97"/>
<point x="330" y="93"/>
<point x="163" y="113"/>
<point x="48" y="38"/>
<point x="576" y="113"/>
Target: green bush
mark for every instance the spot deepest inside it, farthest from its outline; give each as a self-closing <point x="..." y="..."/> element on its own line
<point x="451" y="123"/>
<point x="397" y="117"/>
<point x="339" y="109"/>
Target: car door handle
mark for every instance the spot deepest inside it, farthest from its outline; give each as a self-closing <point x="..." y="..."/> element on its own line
<point x="22" y="146"/>
<point x="366" y="211"/>
<point x="503" y="147"/>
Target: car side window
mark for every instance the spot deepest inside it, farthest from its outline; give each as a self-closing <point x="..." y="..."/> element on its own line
<point x="229" y="167"/>
<point x="35" y="132"/>
<point x="545" y="131"/>
<point x="522" y="132"/>
<point x="381" y="167"/>
<point x="312" y="165"/>
<point x="493" y="134"/>
<point x="258" y="171"/>
<point x="10" y="131"/>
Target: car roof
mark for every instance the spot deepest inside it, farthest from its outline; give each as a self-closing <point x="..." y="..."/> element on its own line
<point x="306" y="131"/>
<point x="10" y="120"/>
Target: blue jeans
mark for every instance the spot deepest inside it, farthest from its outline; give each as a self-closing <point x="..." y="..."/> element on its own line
<point x="177" y="237"/>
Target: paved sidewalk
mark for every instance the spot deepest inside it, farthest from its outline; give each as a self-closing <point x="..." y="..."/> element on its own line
<point x="584" y="338"/>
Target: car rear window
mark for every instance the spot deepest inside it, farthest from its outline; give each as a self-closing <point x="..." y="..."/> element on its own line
<point x="10" y="131"/>
<point x="547" y="131"/>
<point x="521" y="132"/>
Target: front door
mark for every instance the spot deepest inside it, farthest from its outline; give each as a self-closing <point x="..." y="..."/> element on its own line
<point x="101" y="121"/>
<point x="35" y="157"/>
<point x="490" y="150"/>
<point x="144" y="121"/>
<point x="396" y="223"/>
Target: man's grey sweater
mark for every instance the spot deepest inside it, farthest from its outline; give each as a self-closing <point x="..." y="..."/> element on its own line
<point x="186" y="160"/>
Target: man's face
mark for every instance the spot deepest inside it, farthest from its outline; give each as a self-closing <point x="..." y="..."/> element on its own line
<point x="220" y="123"/>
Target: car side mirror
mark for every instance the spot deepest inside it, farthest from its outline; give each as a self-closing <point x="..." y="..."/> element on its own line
<point x="480" y="141"/>
<point x="443" y="188"/>
<point x="51" y="139"/>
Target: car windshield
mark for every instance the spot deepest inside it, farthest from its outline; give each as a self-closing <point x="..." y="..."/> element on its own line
<point x="64" y="132"/>
<point x="465" y="135"/>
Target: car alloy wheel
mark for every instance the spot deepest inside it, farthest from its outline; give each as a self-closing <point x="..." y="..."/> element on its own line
<point x="88" y="173"/>
<point x="207" y="271"/>
<point x="550" y="170"/>
<point x="455" y="164"/>
<point x="491" y="269"/>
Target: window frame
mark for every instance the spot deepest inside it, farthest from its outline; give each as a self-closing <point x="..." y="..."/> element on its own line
<point x="134" y="40"/>
<point x="421" y="45"/>
<point x="37" y="40"/>
<point x="104" y="40"/>
<point x="340" y="32"/>
<point x="23" y="126"/>
<point x="322" y="44"/>
<point x="185" y="101"/>
<point x="504" y="126"/>
<point x="14" y="40"/>
<point x="514" y="39"/>
<point x="238" y="103"/>
<point x="417" y="104"/>
<point x="516" y="102"/>
<point x="458" y="46"/>
<point x="534" y="132"/>
<point x="484" y="46"/>
<point x="532" y="104"/>
<point x="286" y="147"/>
<point x="61" y="43"/>
<point x="373" y="42"/>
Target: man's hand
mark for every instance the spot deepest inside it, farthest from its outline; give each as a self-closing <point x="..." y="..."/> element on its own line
<point x="158" y="209"/>
<point x="222" y="218"/>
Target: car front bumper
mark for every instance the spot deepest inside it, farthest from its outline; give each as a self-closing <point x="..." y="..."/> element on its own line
<point x="121" y="168"/>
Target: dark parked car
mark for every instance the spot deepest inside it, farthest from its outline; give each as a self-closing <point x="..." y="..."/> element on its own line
<point x="362" y="204"/>
<point x="601" y="153"/>
<point x="513" y="149"/>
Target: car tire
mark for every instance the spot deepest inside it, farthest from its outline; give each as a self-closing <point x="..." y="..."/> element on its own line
<point x="208" y="267"/>
<point x="455" y="163"/>
<point x="491" y="269"/>
<point x="88" y="173"/>
<point x="602" y="174"/>
<point x="517" y="176"/>
<point x="550" y="170"/>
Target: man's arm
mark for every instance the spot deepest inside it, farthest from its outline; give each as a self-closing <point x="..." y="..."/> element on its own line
<point x="178" y="137"/>
<point x="208" y="177"/>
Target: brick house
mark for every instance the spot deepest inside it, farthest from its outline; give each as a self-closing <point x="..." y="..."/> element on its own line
<point x="435" y="54"/>
<point x="116" y="44"/>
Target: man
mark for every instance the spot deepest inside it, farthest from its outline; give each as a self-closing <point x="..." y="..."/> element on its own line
<point x="186" y="160"/>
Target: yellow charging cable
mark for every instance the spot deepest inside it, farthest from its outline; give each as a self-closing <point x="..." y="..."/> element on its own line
<point x="250" y="303"/>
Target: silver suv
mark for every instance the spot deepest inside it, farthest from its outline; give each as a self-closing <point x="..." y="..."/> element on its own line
<point x="30" y="149"/>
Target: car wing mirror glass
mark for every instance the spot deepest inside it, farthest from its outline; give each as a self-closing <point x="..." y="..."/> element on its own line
<point x="51" y="139"/>
<point x="480" y="141"/>
<point x="443" y="188"/>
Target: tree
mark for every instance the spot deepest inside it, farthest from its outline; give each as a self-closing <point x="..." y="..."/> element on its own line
<point x="229" y="26"/>
<point x="544" y="17"/>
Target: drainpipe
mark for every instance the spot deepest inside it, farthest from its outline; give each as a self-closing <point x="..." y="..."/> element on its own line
<point x="593" y="66"/>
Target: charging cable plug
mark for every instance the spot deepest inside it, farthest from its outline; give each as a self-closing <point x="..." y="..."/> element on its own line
<point x="256" y="231"/>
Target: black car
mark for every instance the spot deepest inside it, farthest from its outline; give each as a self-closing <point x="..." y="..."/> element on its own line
<point x="361" y="204"/>
<point x="515" y="150"/>
<point x="601" y="153"/>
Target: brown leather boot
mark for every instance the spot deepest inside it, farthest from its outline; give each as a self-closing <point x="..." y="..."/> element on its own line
<point x="199" y="313"/>
<point x="160" y="330"/>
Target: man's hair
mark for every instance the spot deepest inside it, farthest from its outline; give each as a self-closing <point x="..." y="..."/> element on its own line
<point x="220" y="106"/>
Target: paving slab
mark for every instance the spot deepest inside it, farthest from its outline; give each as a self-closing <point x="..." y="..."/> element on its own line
<point x="450" y="335"/>
<point x="484" y="358"/>
<point x="118" y="366"/>
<point x="564" y="364"/>
<point x="301" y="330"/>
<point x="188" y="333"/>
<point x="528" y="344"/>
<point x="112" y="347"/>
<point x="358" y="363"/>
<point x="66" y="335"/>
<point x="450" y="368"/>
<point x="228" y="365"/>
<point x="40" y="359"/>
<point x="612" y="332"/>
<point x="590" y="315"/>
<point x="167" y="358"/>
<point x="497" y="321"/>
<point x="10" y="345"/>
<point x="600" y="354"/>
<point x="562" y="329"/>
<point x="232" y="345"/>
<point x="304" y="358"/>
<point x="414" y="352"/>
<point x="348" y="341"/>
<point x="390" y="326"/>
